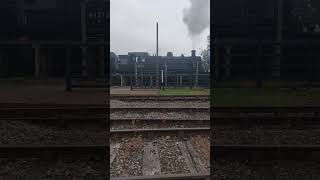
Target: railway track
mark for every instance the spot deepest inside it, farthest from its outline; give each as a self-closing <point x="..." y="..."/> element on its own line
<point x="267" y="109"/>
<point x="25" y="149"/>
<point x="265" y="162"/>
<point x="262" y="152"/>
<point x="45" y="105"/>
<point x="266" y="152"/>
<point x="303" y="116"/>
<point x="58" y="177"/>
<point x="165" y="151"/>
<point x="51" y="158"/>
<point x="158" y="121"/>
<point x="162" y="131"/>
<point x="199" y="109"/>
<point x="162" y="157"/>
<point x="199" y="176"/>
<point x="161" y="98"/>
<point x="44" y="144"/>
<point x="54" y="113"/>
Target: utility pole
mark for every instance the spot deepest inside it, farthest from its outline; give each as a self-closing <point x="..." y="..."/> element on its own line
<point x="157" y="59"/>
<point x="276" y="65"/>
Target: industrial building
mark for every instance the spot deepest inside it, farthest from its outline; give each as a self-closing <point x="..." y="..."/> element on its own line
<point x="38" y="38"/>
<point x="140" y="69"/>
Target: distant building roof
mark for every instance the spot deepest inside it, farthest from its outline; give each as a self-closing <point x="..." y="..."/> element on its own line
<point x="139" y="53"/>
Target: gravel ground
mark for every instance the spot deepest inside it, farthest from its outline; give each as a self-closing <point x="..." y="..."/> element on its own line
<point x="129" y="158"/>
<point x="20" y="166"/>
<point x="128" y="161"/>
<point x="46" y="169"/>
<point x="171" y="159"/>
<point x="162" y="115"/>
<point x="265" y="136"/>
<point x="21" y="132"/>
<point x="142" y="125"/>
<point x="77" y="167"/>
<point x="282" y="170"/>
<point x="201" y="145"/>
<point x="158" y="104"/>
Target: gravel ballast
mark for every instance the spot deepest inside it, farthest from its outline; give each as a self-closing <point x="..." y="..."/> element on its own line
<point x="68" y="166"/>
<point x="201" y="145"/>
<point x="284" y="170"/>
<point x="159" y="104"/>
<point x="23" y="132"/>
<point x="141" y="125"/>
<point x="129" y="158"/>
<point x="171" y="159"/>
<point x="128" y="161"/>
<point x="265" y="136"/>
<point x="162" y="115"/>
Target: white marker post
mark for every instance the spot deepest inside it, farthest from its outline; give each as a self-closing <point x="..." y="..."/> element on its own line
<point x="162" y="79"/>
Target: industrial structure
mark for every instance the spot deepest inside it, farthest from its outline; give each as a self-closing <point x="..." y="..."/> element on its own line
<point x="54" y="38"/>
<point x="139" y="69"/>
<point x="266" y="40"/>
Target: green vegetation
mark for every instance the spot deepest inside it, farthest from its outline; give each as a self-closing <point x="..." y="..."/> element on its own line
<point x="184" y="91"/>
<point x="265" y="96"/>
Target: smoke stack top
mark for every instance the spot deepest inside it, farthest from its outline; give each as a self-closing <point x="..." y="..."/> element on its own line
<point x="193" y="53"/>
<point x="197" y="17"/>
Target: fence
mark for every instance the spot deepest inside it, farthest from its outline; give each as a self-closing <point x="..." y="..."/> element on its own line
<point x="170" y="80"/>
<point x="70" y="61"/>
<point x="266" y="63"/>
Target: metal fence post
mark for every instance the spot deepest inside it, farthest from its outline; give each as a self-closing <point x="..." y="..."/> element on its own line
<point x="68" y="69"/>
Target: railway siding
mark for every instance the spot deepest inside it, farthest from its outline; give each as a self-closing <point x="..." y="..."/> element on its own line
<point x="166" y="128"/>
<point x="265" y="142"/>
<point x="38" y="144"/>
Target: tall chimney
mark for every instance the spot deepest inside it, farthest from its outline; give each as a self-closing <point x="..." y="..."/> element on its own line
<point x="193" y="53"/>
<point x="157" y="40"/>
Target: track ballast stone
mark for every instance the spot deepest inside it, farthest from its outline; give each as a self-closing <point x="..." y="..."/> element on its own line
<point x="265" y="136"/>
<point x="24" y="132"/>
<point x="159" y="104"/>
<point x="128" y="161"/>
<point x="171" y="159"/>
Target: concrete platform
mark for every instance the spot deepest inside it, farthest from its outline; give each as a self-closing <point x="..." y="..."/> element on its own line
<point x="134" y="92"/>
<point x="49" y="92"/>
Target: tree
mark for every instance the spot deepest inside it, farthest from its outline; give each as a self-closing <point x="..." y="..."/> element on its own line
<point x="206" y="55"/>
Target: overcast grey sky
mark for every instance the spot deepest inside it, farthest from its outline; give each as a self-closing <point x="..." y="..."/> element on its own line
<point x="133" y="27"/>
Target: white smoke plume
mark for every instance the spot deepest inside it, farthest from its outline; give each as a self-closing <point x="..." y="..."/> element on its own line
<point x="197" y="18"/>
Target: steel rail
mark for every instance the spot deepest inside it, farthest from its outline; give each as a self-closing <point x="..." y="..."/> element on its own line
<point x="22" y="150"/>
<point x="46" y="105"/>
<point x="161" y="98"/>
<point x="203" y="176"/>
<point x="160" y="109"/>
<point x="157" y="120"/>
<point x="157" y="96"/>
<point x="162" y="130"/>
